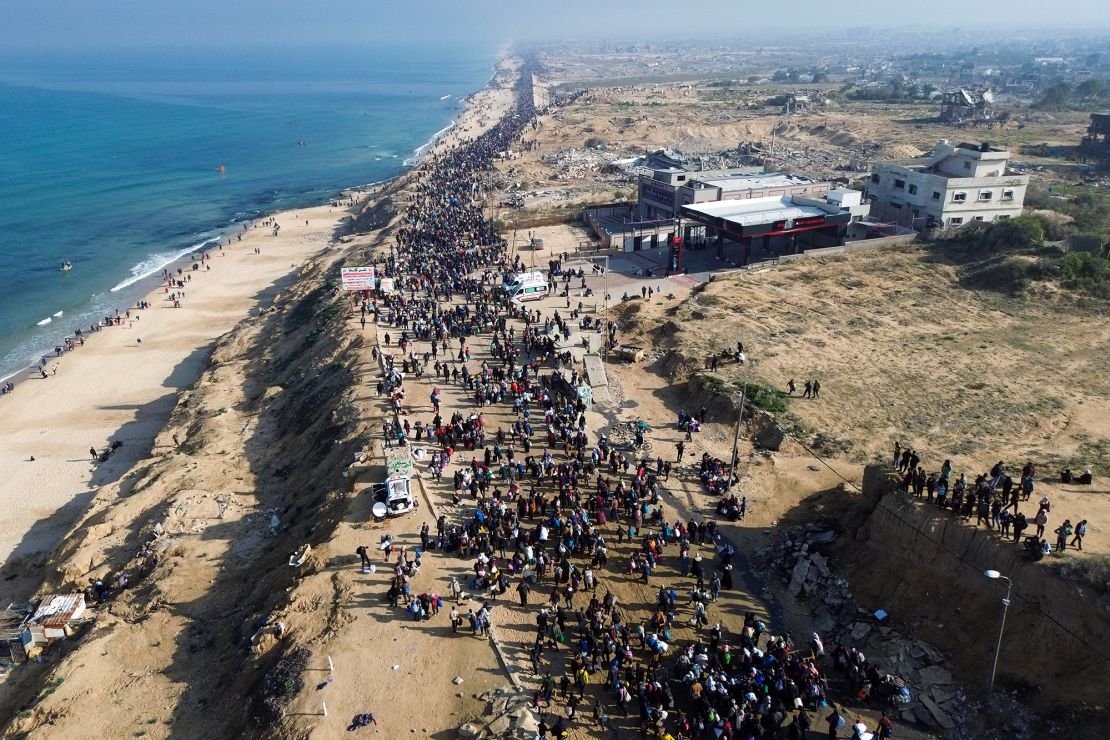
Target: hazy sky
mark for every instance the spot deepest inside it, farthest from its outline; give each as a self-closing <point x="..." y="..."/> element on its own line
<point x="76" y="24"/>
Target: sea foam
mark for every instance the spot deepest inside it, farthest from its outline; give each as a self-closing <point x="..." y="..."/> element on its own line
<point x="154" y="264"/>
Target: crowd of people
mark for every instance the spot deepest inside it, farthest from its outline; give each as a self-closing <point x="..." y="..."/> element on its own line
<point x="544" y="503"/>
<point x="993" y="499"/>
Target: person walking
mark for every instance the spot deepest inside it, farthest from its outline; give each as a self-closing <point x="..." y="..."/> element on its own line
<point x="799" y="728"/>
<point x="456" y="620"/>
<point x="835" y="721"/>
<point x="817" y="389"/>
<point x="523" y="589"/>
<point x="1062" y="533"/>
<point x="885" y="729"/>
<point x="681" y="447"/>
<point x="1080" y="533"/>
<point x="808" y="393"/>
<point x="1041" y="521"/>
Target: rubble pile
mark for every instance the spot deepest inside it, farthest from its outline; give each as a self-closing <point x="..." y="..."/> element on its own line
<point x="806" y="573"/>
<point x="508" y="714"/>
<point x="819" y="163"/>
<point x="935" y="700"/>
<point x="577" y="164"/>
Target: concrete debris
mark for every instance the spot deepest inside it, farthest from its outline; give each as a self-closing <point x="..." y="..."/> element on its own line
<point x="937" y="713"/>
<point x="934" y="675"/>
<point x="819" y="563"/>
<point x="797" y="557"/>
<point x="499" y="726"/>
<point x="798" y="579"/>
<point x="469" y="730"/>
<point x="508" y="714"/>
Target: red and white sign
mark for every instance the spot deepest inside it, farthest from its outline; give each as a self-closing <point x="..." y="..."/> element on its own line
<point x="357" y="278"/>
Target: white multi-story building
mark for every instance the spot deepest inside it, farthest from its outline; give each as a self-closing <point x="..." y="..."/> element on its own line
<point x="952" y="187"/>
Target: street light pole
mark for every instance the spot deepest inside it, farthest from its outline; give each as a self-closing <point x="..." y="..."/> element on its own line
<point x="994" y="574"/>
<point x="736" y="440"/>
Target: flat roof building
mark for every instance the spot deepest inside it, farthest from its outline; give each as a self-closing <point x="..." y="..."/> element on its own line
<point x="954" y="186"/>
<point x="685" y="209"/>
<point x="782" y="224"/>
<point x="662" y="195"/>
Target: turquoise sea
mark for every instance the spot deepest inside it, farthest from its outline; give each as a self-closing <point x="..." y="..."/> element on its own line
<point x="112" y="161"/>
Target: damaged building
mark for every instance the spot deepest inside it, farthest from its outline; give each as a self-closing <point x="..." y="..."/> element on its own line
<point x="963" y="105"/>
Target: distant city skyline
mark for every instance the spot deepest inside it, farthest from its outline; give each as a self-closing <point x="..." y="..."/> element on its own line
<point x="74" y="25"/>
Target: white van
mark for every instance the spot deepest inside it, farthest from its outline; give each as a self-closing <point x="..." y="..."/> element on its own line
<point x="527" y="286"/>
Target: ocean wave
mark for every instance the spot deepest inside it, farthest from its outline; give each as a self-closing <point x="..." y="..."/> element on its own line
<point x="418" y="152"/>
<point x="153" y="264"/>
<point x="44" y="322"/>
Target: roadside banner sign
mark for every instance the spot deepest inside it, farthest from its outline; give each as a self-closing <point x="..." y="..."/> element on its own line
<point x="357" y="278"/>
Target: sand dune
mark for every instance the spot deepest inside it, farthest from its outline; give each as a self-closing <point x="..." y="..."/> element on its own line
<point x="114" y="388"/>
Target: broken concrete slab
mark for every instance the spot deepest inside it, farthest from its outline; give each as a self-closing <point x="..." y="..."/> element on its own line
<point x="823" y="621"/>
<point x="820" y="563"/>
<point x="499" y="726"/>
<point x="938" y="714"/>
<point x="934" y="675"/>
<point x="942" y="696"/>
<point x="526" y="722"/>
<point x="860" y="631"/>
<point x="595" y="371"/>
<point x="922" y="715"/>
<point x="798" y="577"/>
<point x="822" y="538"/>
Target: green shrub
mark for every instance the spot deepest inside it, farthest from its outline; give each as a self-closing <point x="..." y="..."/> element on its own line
<point x="1014" y="234"/>
<point x="765" y="397"/>
<point x="1087" y="272"/>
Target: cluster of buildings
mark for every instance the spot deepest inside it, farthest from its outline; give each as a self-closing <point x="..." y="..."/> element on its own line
<point x="748" y="215"/>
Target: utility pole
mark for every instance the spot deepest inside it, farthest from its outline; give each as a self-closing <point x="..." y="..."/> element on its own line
<point x="771" y="153"/>
<point x="736" y="439"/>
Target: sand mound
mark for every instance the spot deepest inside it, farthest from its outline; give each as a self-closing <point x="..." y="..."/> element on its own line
<point x="902" y="151"/>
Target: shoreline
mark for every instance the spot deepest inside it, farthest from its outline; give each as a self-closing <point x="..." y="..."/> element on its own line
<point x="138" y="283"/>
<point x="133" y="288"/>
<point x="102" y="395"/>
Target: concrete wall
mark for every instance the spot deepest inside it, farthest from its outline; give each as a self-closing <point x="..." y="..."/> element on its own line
<point x="886" y="241"/>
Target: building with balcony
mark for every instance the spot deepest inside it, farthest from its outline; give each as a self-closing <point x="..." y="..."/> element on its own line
<point x="954" y="186"/>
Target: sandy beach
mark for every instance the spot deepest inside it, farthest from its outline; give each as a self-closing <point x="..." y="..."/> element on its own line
<point x="116" y="388"/>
